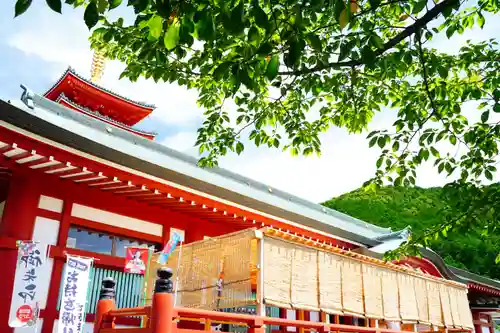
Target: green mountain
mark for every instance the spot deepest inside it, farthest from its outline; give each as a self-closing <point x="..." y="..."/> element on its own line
<point x="420" y="209"/>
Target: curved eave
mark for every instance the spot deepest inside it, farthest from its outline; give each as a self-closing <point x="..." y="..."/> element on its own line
<point x="75" y="130"/>
<point x="459" y="275"/>
<point x="64" y="101"/>
<point x="70" y="72"/>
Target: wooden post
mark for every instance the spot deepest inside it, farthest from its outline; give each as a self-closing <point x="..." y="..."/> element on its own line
<point x="162" y="313"/>
<point x="207" y="326"/>
<point x="257" y="326"/>
<point x="324" y="317"/>
<point x="105" y="304"/>
<point x="261" y="307"/>
<point x="301" y="316"/>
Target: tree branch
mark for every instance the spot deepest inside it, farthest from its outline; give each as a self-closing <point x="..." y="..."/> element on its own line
<point x="410" y="30"/>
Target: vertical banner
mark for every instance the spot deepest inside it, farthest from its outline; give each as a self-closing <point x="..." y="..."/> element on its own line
<point x="136" y="259"/>
<point x="74" y="294"/>
<point x="169" y="248"/>
<point x="24" y="306"/>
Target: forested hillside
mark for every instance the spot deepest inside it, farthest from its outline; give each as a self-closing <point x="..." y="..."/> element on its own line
<point x="420" y="209"/>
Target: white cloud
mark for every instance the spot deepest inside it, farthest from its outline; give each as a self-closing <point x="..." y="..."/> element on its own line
<point x="63" y="41"/>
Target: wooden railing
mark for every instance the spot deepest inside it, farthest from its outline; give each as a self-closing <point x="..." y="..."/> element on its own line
<point x="163" y="317"/>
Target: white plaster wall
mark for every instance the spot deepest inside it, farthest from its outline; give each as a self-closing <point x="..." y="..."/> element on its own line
<point x="314" y="316"/>
<point x="46" y="232"/>
<point x="50" y="203"/>
<point x="291" y="314"/>
<point x="116" y="220"/>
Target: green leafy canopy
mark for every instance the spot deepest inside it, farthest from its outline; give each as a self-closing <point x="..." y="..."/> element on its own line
<point x="422" y="210"/>
<point x="295" y="68"/>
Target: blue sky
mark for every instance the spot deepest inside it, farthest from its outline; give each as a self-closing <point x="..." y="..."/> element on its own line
<point x="37" y="47"/>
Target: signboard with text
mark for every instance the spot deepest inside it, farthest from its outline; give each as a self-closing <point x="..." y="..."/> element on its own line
<point x="74" y="295"/>
<point x="24" y="306"/>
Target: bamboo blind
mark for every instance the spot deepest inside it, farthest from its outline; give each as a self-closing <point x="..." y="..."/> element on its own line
<point x="302" y="277"/>
<point x="352" y="288"/>
<point x="201" y="264"/>
<point x="307" y="278"/>
<point x="330" y="288"/>
<point x="390" y="295"/>
<point x="422" y="301"/>
<point x="277" y="272"/>
<point x="372" y="287"/>
<point x="408" y="309"/>
<point x="304" y="270"/>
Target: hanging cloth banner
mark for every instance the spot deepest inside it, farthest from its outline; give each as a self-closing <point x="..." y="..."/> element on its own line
<point x="74" y="294"/>
<point x="136" y="259"/>
<point x="169" y="248"/>
<point x="24" y="306"/>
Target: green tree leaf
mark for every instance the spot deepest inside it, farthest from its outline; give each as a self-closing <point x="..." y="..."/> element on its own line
<point x="139" y="5"/>
<point x="315" y="42"/>
<point x="344" y="19"/>
<point x="419" y="6"/>
<point x="21" y="7"/>
<point x="295" y="51"/>
<point x="239" y="148"/>
<point x="260" y="17"/>
<point x="91" y="15"/>
<point x="236" y="19"/>
<point x="114" y="3"/>
<point x="206" y="27"/>
<point x="272" y="67"/>
<point x="171" y="38"/>
<point x="480" y="20"/>
<point x="155" y="25"/>
<point x="253" y="35"/>
<point x="374" y="3"/>
<point x="484" y="116"/>
<point x="55" y="5"/>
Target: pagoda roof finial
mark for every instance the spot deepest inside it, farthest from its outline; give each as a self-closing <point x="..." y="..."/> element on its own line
<point x="97" y="68"/>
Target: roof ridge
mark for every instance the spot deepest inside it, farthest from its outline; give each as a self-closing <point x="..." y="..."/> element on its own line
<point x="97" y="86"/>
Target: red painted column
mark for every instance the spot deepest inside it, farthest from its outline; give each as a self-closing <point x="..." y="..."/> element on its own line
<point x="51" y="312"/>
<point x="17" y="223"/>
<point x="476" y="317"/>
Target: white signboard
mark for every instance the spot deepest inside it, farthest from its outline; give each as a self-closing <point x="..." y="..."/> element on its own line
<point x="74" y="295"/>
<point x="24" y="306"/>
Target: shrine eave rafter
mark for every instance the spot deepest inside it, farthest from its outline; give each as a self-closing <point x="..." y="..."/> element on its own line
<point x="156" y="162"/>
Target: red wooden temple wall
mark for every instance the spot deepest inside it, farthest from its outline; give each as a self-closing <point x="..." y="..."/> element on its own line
<point x="43" y="207"/>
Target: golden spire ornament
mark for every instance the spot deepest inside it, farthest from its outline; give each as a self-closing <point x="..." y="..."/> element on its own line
<point x="97" y="68"/>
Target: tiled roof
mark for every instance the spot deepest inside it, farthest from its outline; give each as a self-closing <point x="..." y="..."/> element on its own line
<point x="73" y="72"/>
<point x="101" y="116"/>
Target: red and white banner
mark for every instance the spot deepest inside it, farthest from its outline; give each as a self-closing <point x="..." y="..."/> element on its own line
<point x="24" y="306"/>
<point x="74" y="294"/>
<point x="136" y="260"/>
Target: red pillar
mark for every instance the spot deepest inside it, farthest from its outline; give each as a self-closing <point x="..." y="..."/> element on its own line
<point x="17" y="223"/>
<point x="476" y="317"/>
<point x="162" y="312"/>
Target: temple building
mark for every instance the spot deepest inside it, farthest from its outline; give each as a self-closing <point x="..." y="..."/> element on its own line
<point x="78" y="175"/>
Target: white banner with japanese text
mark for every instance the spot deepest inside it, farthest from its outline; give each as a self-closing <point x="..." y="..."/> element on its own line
<point x="24" y="308"/>
<point x="74" y="294"/>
